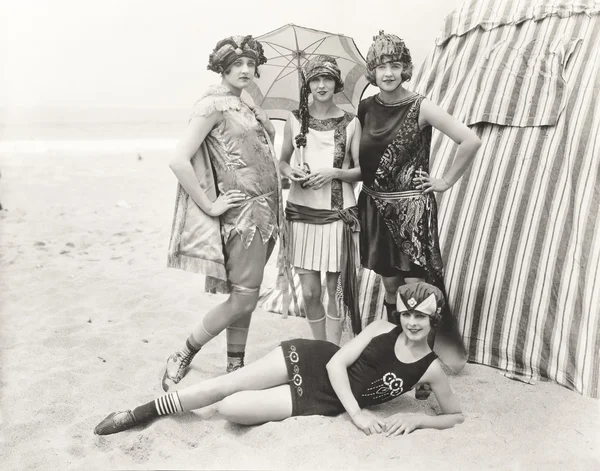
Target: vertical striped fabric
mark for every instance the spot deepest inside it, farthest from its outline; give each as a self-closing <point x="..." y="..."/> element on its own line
<point x="520" y="231"/>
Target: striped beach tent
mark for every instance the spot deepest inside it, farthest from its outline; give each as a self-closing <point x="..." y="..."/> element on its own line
<point x="520" y="232"/>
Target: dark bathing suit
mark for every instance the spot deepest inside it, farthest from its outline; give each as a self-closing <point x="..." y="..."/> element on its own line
<point x="377" y="376"/>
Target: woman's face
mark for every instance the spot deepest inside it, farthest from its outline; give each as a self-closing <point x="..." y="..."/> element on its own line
<point x="322" y="88"/>
<point x="415" y="325"/>
<point x="388" y="75"/>
<point x="241" y="73"/>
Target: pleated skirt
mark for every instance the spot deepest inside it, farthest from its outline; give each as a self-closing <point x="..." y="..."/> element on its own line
<point x="318" y="247"/>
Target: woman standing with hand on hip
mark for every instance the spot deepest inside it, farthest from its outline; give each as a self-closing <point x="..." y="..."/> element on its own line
<point x="321" y="206"/>
<point x="227" y="209"/>
<point x="398" y="210"/>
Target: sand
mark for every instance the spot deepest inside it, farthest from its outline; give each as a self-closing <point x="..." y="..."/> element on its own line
<point x="90" y="313"/>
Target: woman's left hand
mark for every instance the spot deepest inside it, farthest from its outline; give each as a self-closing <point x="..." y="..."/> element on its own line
<point x="261" y="115"/>
<point x="320" y="177"/>
<point x="429" y="184"/>
<point x="400" y="424"/>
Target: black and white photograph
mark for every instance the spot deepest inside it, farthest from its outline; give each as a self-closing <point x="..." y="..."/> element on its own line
<point x="312" y="235"/>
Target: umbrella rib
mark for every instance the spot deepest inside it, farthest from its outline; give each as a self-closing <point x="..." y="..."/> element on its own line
<point x="314" y="51"/>
<point x="321" y="40"/>
<point x="290" y="71"/>
<point x="279" y="75"/>
<point x="295" y="57"/>
<point x="275" y="46"/>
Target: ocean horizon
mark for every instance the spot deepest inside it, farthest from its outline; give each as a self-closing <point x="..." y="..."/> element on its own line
<point x="95" y="136"/>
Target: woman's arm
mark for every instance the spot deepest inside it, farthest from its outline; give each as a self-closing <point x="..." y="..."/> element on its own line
<point x="337" y="369"/>
<point x="355" y="150"/>
<point x="467" y="140"/>
<point x="451" y="412"/>
<point x="287" y="150"/>
<point x="181" y="165"/>
<point x="321" y="176"/>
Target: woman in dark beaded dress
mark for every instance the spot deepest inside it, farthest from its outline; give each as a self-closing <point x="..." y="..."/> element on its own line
<point x="397" y="206"/>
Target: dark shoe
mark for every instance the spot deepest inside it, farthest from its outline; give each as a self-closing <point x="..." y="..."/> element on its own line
<point x="115" y="423"/>
<point x="175" y="370"/>
<point x="423" y="392"/>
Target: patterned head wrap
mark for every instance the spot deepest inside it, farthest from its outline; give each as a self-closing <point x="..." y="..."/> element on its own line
<point x="421" y="297"/>
<point x="388" y="46"/>
<point x="316" y="66"/>
<point x="228" y="50"/>
<point x="323" y="65"/>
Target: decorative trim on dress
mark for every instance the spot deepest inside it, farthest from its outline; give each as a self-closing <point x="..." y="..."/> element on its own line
<point x="389" y="385"/>
<point x="339" y="154"/>
<point x="296" y="380"/>
<point x="326" y="124"/>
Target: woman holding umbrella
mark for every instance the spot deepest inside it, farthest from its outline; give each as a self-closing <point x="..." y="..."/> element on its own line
<point x="321" y="207"/>
<point x="228" y="203"/>
<point x="398" y="212"/>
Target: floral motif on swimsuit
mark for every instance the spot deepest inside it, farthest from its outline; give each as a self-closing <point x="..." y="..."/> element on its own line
<point x="389" y="385"/>
<point x="297" y="378"/>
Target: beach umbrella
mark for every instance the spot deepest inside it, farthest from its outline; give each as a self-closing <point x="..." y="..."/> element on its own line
<point x="277" y="91"/>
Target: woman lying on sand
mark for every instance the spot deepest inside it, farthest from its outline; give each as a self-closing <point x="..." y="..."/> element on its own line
<point x="315" y="377"/>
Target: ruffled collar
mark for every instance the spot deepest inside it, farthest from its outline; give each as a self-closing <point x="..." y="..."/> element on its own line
<point x="219" y="90"/>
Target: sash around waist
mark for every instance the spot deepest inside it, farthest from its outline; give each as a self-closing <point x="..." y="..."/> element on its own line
<point x="392" y="195"/>
<point x="308" y="215"/>
<point x="348" y="263"/>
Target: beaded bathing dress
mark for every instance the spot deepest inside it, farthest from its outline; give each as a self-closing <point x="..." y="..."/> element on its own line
<point x="377" y="376"/>
<point x="399" y="223"/>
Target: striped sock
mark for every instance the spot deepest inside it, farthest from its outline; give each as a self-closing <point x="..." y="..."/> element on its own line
<point x="168" y="404"/>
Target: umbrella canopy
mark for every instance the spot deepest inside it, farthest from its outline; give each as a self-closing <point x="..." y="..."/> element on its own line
<point x="277" y="91"/>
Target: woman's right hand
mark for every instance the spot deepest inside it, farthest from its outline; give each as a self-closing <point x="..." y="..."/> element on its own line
<point x="225" y="201"/>
<point x="297" y="174"/>
<point x="367" y="422"/>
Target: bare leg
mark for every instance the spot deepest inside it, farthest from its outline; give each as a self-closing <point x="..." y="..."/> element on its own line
<point x="245" y="270"/>
<point x="334" y="324"/>
<point x="239" y="305"/>
<point x="267" y="372"/>
<point x="258" y="407"/>
<point x="311" y="294"/>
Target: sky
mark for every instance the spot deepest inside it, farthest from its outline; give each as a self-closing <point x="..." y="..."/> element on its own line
<point x="142" y="56"/>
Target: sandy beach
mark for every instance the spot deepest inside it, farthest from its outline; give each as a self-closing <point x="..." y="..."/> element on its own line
<point x="90" y="313"/>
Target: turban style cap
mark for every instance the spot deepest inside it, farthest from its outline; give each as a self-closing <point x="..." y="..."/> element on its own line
<point x="421" y="297"/>
<point x="228" y="50"/>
